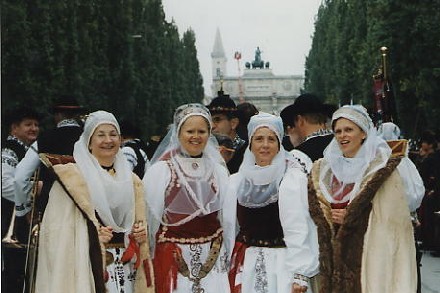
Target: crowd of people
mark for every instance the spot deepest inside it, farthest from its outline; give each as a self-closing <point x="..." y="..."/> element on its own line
<point x="231" y="199"/>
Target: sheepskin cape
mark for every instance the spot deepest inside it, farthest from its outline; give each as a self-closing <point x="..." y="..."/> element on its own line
<point x="373" y="250"/>
<point x="71" y="259"/>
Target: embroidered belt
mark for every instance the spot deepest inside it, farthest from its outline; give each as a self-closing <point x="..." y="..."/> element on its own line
<point x="273" y="243"/>
<point x="206" y="267"/>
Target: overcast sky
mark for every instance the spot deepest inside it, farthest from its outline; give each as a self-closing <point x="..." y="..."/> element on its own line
<point x="281" y="28"/>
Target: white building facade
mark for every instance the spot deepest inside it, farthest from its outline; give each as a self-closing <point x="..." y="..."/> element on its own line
<point x="259" y="86"/>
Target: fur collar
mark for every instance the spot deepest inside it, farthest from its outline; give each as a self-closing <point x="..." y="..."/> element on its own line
<point x="340" y="254"/>
<point x="73" y="181"/>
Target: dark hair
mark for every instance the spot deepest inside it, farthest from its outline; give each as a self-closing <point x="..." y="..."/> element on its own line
<point x="223" y="105"/>
<point x="19" y="114"/>
<point x="428" y="136"/>
<point x="308" y="105"/>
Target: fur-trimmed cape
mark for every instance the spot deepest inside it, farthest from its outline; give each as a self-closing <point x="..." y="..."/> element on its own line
<point x="71" y="258"/>
<point x="349" y="256"/>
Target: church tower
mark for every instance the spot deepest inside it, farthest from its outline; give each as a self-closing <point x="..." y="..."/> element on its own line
<point x="218" y="57"/>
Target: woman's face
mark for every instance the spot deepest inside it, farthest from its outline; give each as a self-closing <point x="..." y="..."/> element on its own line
<point x="193" y="135"/>
<point x="349" y="137"/>
<point x="105" y="143"/>
<point x="26" y="130"/>
<point x="264" y="146"/>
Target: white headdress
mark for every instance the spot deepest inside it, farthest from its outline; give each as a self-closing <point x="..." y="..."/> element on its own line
<point x="259" y="186"/>
<point x="199" y="188"/>
<point x="353" y="170"/>
<point x="112" y="196"/>
<point x="389" y="131"/>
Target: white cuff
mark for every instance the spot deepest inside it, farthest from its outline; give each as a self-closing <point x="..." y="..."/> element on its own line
<point x="301" y="280"/>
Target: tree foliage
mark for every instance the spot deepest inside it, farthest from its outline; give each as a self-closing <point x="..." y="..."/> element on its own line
<point x="345" y="54"/>
<point x="119" y="56"/>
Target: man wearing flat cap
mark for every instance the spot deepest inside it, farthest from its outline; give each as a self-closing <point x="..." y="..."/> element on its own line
<point x="225" y="121"/>
<point x="60" y="141"/>
<point x="305" y="124"/>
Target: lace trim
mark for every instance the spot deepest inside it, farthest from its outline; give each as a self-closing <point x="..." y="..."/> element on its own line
<point x="320" y="132"/>
<point x="68" y="122"/>
<point x="9" y="157"/>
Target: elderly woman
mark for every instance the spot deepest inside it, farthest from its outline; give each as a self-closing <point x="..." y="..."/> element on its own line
<point x="357" y="200"/>
<point x="185" y="193"/>
<point x="95" y="216"/>
<point x="276" y="248"/>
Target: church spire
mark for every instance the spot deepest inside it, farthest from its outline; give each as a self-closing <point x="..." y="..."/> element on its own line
<point x="218" y="57"/>
<point x="218" y="51"/>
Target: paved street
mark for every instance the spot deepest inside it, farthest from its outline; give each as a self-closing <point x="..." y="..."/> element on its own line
<point x="430" y="273"/>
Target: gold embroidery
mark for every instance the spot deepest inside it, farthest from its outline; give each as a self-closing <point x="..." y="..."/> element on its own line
<point x="206" y="267"/>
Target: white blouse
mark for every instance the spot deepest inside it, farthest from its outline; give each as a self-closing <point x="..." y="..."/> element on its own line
<point x="300" y="233"/>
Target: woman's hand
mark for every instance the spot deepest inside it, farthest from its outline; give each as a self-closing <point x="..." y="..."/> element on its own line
<point x="105" y="234"/>
<point x="338" y="215"/>
<point x="139" y="232"/>
<point x="296" y="288"/>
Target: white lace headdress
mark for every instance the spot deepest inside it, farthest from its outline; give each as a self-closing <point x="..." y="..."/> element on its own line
<point x="259" y="186"/>
<point x="199" y="191"/>
<point x="353" y="170"/>
<point x="112" y="196"/>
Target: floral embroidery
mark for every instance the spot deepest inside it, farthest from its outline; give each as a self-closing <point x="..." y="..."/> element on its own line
<point x="260" y="273"/>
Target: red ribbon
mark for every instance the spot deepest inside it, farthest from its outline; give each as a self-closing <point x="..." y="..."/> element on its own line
<point x="131" y="251"/>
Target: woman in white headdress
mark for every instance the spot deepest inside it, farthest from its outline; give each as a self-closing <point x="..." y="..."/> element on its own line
<point x="185" y="194"/>
<point x="357" y="200"/>
<point x="276" y="247"/>
<point x="93" y="234"/>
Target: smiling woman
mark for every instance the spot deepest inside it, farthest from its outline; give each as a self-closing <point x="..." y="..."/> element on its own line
<point x="357" y="199"/>
<point x="105" y="143"/>
<point x="194" y="135"/>
<point x="276" y="248"/>
<point x="185" y="188"/>
<point x="95" y="219"/>
<point x="349" y="136"/>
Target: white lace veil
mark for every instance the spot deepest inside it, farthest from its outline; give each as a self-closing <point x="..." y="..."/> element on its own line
<point x="259" y="186"/>
<point x="112" y="196"/>
<point x="353" y="170"/>
<point x="199" y="191"/>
